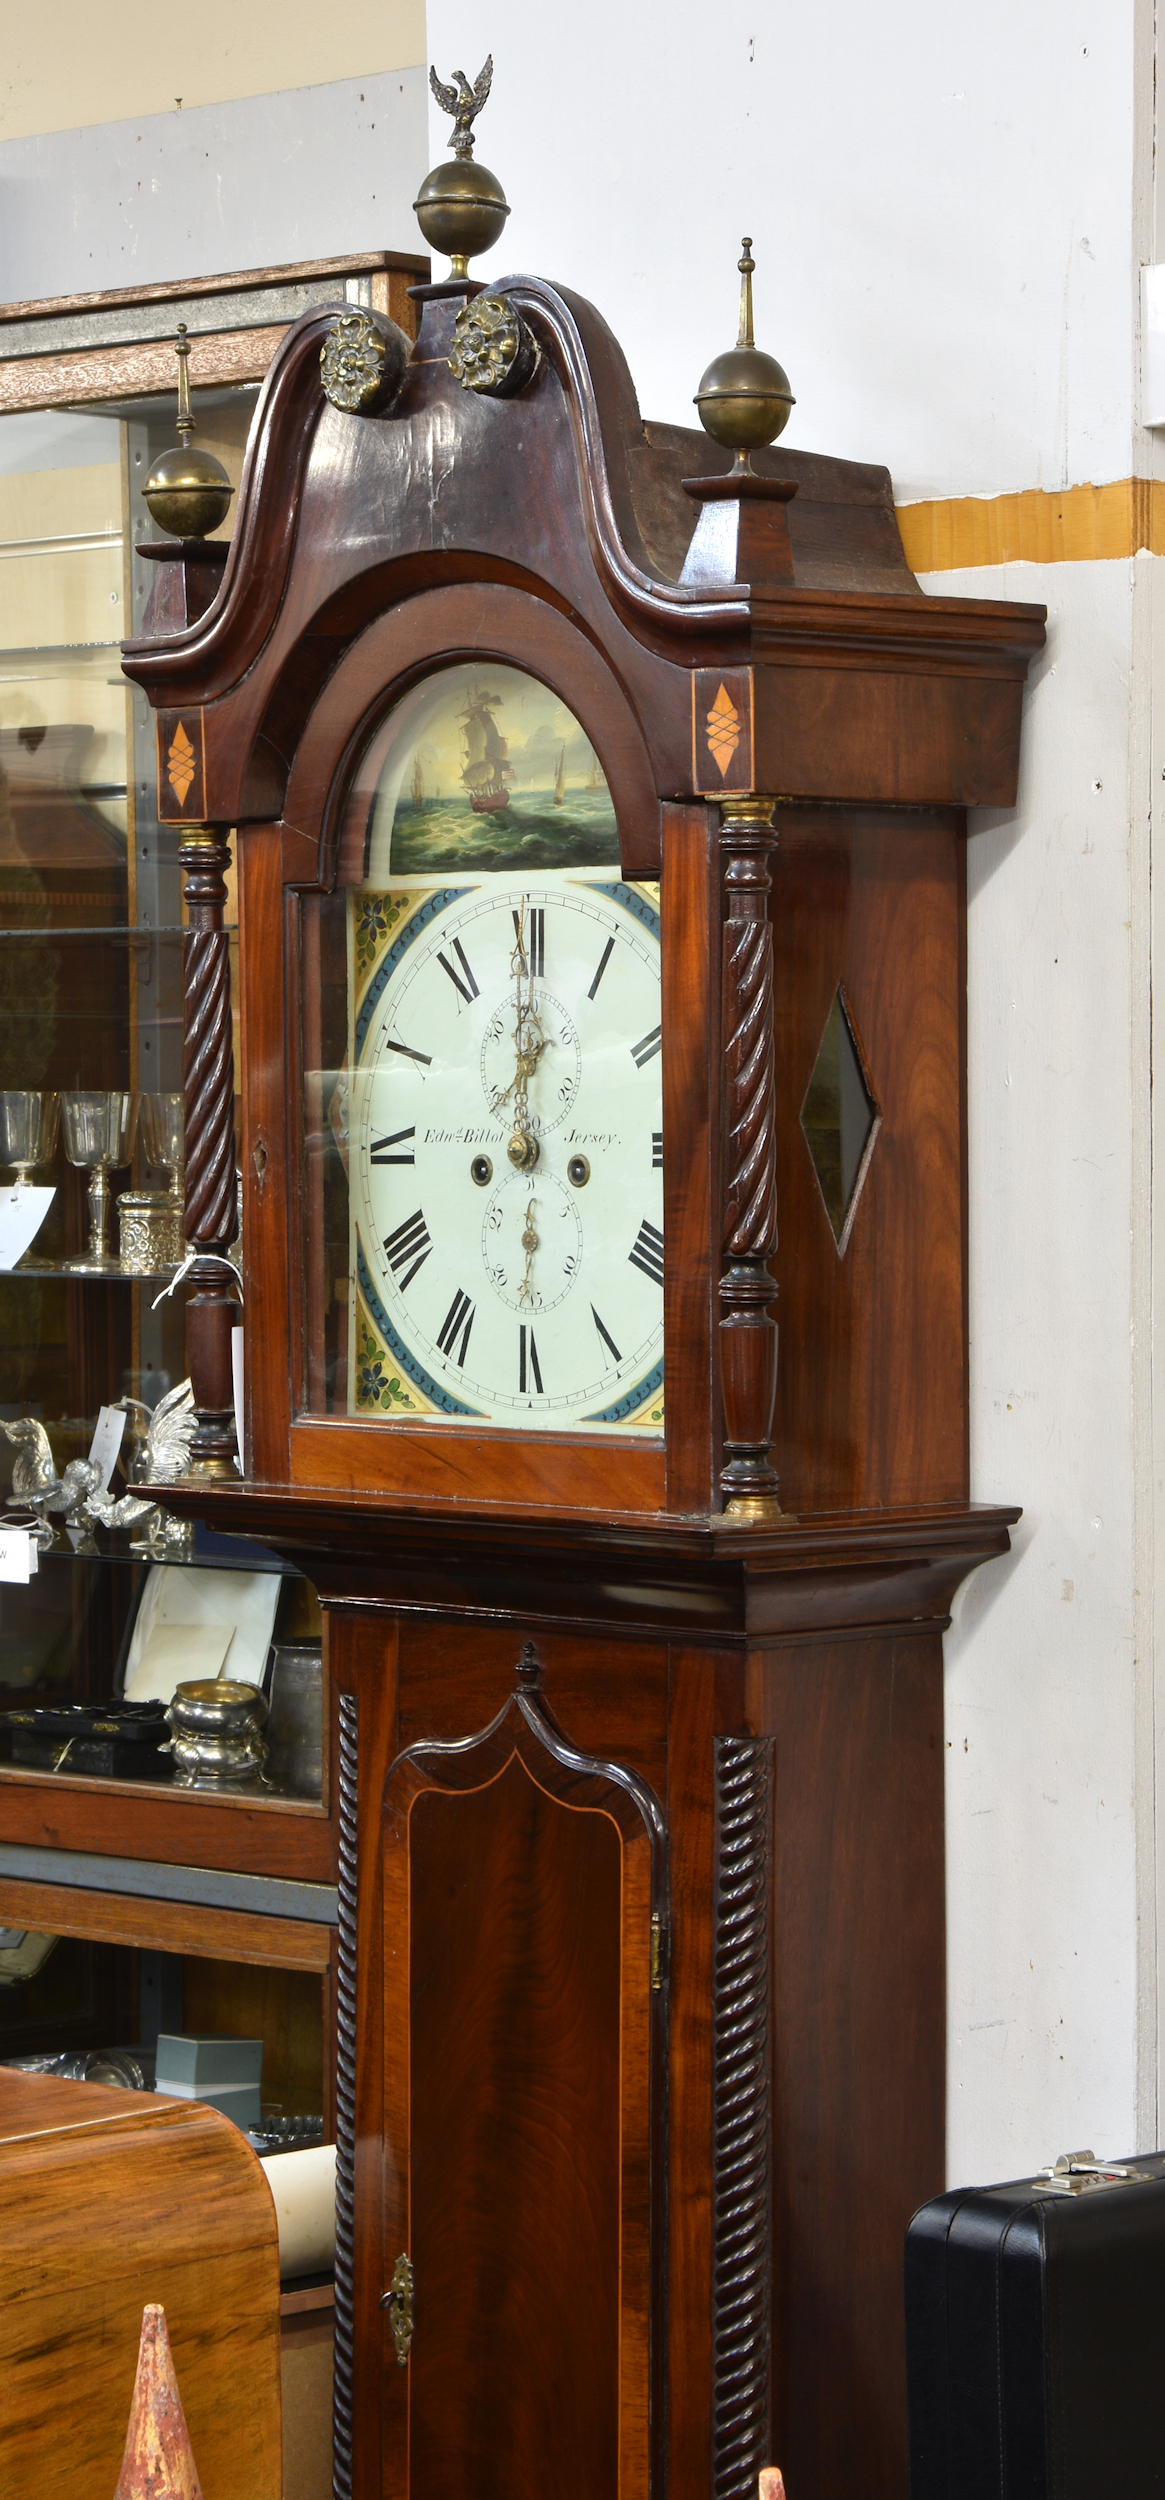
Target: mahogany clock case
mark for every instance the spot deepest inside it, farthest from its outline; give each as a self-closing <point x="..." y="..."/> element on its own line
<point x="640" y="1966"/>
<point x="874" y="713"/>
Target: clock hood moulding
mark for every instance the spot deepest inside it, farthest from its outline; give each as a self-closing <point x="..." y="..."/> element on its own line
<point x="861" y="687"/>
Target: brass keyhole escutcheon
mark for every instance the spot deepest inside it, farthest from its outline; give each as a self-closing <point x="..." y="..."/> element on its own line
<point x="398" y="2300"/>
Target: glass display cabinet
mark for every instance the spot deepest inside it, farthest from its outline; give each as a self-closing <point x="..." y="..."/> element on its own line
<point x="137" y="1893"/>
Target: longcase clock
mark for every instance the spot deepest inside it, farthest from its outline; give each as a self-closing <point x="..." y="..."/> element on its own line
<point x="600" y="819"/>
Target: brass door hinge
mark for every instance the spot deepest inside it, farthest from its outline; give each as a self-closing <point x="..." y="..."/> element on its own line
<point x="398" y="2300"/>
<point x="659" y="1952"/>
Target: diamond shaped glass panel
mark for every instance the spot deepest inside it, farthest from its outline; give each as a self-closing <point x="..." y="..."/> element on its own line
<point x="839" y="1116"/>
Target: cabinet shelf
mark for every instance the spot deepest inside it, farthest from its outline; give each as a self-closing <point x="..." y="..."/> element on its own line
<point x="209" y="1552"/>
<point x="60" y="1268"/>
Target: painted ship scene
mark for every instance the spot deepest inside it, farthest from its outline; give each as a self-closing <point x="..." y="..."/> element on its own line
<point x="489" y="767"/>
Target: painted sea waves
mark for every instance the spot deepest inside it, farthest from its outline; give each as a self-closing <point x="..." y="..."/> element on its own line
<point x="529" y="831"/>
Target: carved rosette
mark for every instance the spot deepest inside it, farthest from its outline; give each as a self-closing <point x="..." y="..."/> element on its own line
<point x="741" y="2117"/>
<point x="362" y="363"/>
<point x="345" y="2095"/>
<point x="209" y="1089"/>
<point x="748" y="1334"/>
<point x="493" y="349"/>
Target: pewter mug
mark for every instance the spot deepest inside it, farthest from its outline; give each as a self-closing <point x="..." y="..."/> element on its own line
<point x="295" y="1727"/>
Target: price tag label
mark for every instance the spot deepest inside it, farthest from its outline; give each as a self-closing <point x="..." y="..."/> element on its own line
<point x="19" y="1554"/>
<point x="106" y="1442"/>
<point x="22" y="1212"/>
<point x="238" y="1376"/>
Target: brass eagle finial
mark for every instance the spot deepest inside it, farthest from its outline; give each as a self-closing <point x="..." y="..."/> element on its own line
<point x="464" y="102"/>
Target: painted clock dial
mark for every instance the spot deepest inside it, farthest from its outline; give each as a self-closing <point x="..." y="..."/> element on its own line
<point x="505" y="1149"/>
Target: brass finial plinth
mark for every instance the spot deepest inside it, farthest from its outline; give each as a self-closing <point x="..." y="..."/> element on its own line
<point x="188" y="492"/>
<point x="744" y="396"/>
<point x="461" y="207"/>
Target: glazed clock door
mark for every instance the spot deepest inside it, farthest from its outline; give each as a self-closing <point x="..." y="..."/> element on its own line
<point x="522" y="1917"/>
<point x="482" y="1067"/>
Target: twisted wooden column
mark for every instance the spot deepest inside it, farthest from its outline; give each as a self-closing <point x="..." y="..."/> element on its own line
<point x="748" y="1333"/>
<point x="342" y="2401"/>
<point x="209" y="1086"/>
<point x="741" y="2117"/>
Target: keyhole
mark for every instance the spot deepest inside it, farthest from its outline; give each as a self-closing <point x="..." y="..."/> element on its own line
<point x="259" y="1159"/>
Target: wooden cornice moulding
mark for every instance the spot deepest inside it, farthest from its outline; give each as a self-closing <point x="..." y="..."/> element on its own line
<point x="357" y="500"/>
<point x="709" y="1579"/>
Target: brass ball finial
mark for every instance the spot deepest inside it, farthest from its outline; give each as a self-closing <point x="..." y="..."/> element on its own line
<point x="188" y="492"/>
<point x="744" y="396"/>
<point x="461" y="207"/>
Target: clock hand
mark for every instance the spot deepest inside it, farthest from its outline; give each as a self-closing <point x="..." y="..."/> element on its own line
<point x="529" y="1245"/>
<point x="529" y="1044"/>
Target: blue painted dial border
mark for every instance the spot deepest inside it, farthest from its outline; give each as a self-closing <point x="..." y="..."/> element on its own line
<point x="408" y="1362"/>
<point x="418" y="921"/>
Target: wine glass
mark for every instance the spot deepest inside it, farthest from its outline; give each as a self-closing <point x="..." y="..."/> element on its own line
<point x="99" y="1130"/>
<point x="160" y="1122"/>
<point x="28" y="1132"/>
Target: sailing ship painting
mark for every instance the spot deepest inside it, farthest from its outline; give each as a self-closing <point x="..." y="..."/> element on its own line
<point x="485" y="766"/>
<point x="487" y="772"/>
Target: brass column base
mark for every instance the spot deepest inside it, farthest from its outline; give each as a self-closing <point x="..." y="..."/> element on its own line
<point x="754" y="1506"/>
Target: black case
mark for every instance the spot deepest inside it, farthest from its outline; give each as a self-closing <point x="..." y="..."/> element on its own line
<point x="1035" y="2338"/>
<point x="120" y="1740"/>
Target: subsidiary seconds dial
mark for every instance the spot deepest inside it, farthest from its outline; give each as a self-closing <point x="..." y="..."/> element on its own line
<point x="506" y="1153"/>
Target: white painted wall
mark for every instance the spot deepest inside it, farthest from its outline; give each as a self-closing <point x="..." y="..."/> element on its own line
<point x="1041" y="1883"/>
<point x="947" y="208"/>
<point x="939" y="200"/>
<point x="237" y="185"/>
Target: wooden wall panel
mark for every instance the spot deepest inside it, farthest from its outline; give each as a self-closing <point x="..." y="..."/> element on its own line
<point x="871" y="1384"/>
<point x="858" y="2037"/>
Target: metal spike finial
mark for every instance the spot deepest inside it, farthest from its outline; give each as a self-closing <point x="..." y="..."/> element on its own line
<point x="182" y="352"/>
<point x="744" y="396"/>
<point x="187" y="491"/>
<point x="746" y="265"/>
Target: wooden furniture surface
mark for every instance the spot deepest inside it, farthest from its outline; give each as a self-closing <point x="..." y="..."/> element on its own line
<point x="109" y="2200"/>
<point x="307" y="2333"/>
<point x="117" y="341"/>
<point x="639" y="1798"/>
<point x="266" y="1836"/>
<point x="166" y="1926"/>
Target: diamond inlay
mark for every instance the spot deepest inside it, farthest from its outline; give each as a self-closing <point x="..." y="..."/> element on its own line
<point x="180" y="764"/>
<point x="840" y="1118"/>
<point x="724" y="729"/>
